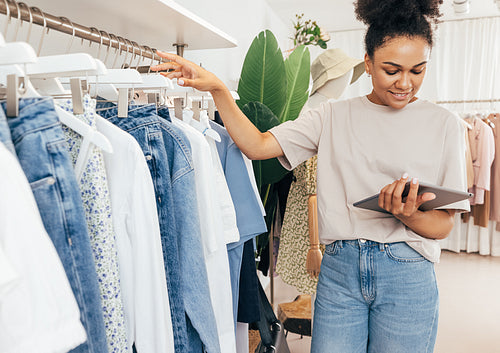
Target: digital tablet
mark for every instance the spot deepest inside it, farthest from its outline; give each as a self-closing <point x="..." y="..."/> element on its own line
<point x="444" y="196"/>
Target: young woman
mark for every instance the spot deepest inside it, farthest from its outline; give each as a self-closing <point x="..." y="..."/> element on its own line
<point x="377" y="289"/>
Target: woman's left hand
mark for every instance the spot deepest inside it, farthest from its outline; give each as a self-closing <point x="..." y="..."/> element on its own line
<point x="391" y="199"/>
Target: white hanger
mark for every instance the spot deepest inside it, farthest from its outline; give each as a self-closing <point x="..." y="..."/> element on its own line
<point x="68" y="119"/>
<point x="2" y="40"/>
<point x="105" y="86"/>
<point x="67" y="65"/>
<point x="43" y="74"/>
<point x="154" y="81"/>
<point x="17" y="53"/>
<point x="202" y="126"/>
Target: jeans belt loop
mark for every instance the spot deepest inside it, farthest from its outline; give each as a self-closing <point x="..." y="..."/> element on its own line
<point x="340" y="243"/>
<point x="381" y="246"/>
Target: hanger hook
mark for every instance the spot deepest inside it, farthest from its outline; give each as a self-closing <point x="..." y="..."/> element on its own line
<point x="43" y="30"/>
<point x="7" y="14"/>
<point x="109" y="44"/>
<point x="65" y="19"/>
<point x="31" y="20"/>
<point x="134" y="46"/>
<point x="126" y="41"/>
<point x="118" y="50"/>
<point x="152" y="56"/>
<point x="92" y="30"/>
<point x="140" y="56"/>
<point x="19" y="21"/>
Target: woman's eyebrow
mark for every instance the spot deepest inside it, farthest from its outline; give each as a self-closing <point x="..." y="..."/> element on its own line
<point x="397" y="65"/>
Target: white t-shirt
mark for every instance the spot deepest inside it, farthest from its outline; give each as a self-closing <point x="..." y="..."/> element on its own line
<point x="362" y="147"/>
<point x="38" y="311"/>
<point x="212" y="232"/>
<point x="137" y="231"/>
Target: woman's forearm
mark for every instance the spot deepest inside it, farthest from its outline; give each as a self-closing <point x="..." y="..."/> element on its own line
<point x="433" y="224"/>
<point x="253" y="143"/>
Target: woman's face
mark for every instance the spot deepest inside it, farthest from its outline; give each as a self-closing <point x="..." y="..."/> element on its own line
<point x="397" y="69"/>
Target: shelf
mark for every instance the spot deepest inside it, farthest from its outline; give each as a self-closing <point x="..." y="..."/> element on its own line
<point x="156" y="23"/>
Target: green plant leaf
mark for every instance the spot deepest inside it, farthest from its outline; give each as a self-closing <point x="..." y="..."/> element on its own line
<point x="263" y="76"/>
<point x="268" y="171"/>
<point x="298" y="70"/>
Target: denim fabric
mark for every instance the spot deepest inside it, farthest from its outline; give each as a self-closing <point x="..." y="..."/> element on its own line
<point x="5" y="137"/>
<point x="375" y="297"/>
<point x="42" y="151"/>
<point x="235" y="256"/>
<point x="144" y="125"/>
<point x="248" y="302"/>
<point x="168" y="155"/>
<point x="197" y="300"/>
<point x="164" y="113"/>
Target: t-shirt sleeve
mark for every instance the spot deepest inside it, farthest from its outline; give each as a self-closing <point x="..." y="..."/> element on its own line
<point x="453" y="172"/>
<point x="299" y="139"/>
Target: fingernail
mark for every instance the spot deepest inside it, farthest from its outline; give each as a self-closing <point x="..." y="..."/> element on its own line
<point x="180" y="82"/>
<point x="414" y="180"/>
<point x="405" y="175"/>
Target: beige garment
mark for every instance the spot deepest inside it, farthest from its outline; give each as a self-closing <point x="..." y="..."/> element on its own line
<point x="495" y="172"/>
<point x="482" y="143"/>
<point x="294" y="239"/>
<point x="468" y="161"/>
<point x="362" y="147"/>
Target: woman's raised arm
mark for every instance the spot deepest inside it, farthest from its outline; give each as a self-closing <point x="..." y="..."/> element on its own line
<point x="253" y="143"/>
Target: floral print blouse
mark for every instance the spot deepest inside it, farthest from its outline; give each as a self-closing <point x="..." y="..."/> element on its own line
<point x="96" y="202"/>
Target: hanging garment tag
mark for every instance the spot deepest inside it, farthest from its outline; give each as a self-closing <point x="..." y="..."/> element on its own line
<point x="196" y="107"/>
<point x="76" y="95"/>
<point x="211" y="110"/>
<point x="178" y="106"/>
<point x="123" y="102"/>
<point x="12" y="95"/>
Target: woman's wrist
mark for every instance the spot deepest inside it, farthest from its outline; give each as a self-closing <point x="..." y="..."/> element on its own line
<point x="218" y="88"/>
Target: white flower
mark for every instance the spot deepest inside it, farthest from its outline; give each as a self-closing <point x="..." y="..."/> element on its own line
<point x="324" y="36"/>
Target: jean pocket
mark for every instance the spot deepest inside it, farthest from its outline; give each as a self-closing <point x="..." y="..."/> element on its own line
<point x="47" y="181"/>
<point x="332" y="248"/>
<point x="402" y="252"/>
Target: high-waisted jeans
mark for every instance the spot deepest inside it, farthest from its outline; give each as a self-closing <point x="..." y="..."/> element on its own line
<point x="42" y="152"/>
<point x="376" y="298"/>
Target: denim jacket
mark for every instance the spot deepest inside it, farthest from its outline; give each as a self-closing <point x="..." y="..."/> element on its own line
<point x="194" y="274"/>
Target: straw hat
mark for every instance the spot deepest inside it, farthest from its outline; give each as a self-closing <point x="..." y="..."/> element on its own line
<point x="332" y="64"/>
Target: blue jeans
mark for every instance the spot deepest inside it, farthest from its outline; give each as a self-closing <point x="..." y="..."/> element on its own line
<point x="377" y="298"/>
<point x="5" y="137"/>
<point x="144" y="126"/>
<point x="169" y="159"/>
<point x="194" y="279"/>
<point x="42" y="151"/>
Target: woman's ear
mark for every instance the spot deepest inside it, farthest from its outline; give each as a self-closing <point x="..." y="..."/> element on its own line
<point x="368" y="65"/>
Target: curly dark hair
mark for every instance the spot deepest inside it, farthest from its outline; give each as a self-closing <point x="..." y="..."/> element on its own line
<point x="387" y="19"/>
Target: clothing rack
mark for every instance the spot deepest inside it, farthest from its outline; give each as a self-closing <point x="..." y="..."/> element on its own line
<point x="21" y="11"/>
<point x="469" y="101"/>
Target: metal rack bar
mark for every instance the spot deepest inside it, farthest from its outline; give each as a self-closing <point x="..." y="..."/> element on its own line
<point x="469" y="101"/>
<point x="34" y="15"/>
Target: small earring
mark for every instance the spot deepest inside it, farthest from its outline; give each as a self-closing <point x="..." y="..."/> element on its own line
<point x="368" y="74"/>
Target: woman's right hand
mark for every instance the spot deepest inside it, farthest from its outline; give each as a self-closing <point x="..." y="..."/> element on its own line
<point x="187" y="73"/>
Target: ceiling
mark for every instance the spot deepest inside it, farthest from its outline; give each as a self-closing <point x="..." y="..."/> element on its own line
<point x="335" y="15"/>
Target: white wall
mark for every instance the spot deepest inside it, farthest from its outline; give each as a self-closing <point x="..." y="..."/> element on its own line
<point x="242" y="20"/>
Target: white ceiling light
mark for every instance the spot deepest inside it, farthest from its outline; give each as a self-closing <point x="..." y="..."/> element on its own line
<point x="462" y="6"/>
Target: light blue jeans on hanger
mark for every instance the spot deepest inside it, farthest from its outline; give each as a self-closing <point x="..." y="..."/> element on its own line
<point x="42" y="151"/>
<point x="376" y="298"/>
